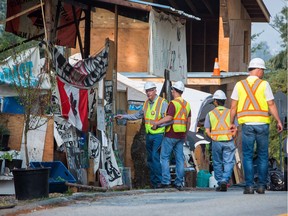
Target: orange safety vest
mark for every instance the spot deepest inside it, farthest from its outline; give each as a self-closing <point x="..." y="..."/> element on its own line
<point x="220" y="124"/>
<point x="182" y="109"/>
<point x="252" y="105"/>
<point x="153" y="114"/>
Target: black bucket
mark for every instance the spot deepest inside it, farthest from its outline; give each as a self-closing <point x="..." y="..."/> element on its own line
<point x="31" y="183"/>
<point x="15" y="163"/>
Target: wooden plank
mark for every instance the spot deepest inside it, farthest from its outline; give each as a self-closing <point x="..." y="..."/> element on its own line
<point x="201" y="157"/>
<point x="238" y="168"/>
<point x="90" y="173"/>
<point x="48" y="154"/>
<point x="195" y="161"/>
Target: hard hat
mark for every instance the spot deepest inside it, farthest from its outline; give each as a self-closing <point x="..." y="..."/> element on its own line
<point x="220" y="95"/>
<point x="257" y="63"/>
<point x="179" y="85"/>
<point x="149" y="85"/>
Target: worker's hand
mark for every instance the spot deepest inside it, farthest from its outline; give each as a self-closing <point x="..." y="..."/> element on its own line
<point x="279" y="127"/>
<point x="234" y="131"/>
<point x="118" y="116"/>
<point x="233" y="127"/>
<point x="154" y="126"/>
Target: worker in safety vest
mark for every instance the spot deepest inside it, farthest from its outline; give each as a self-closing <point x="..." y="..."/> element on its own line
<point x="153" y="110"/>
<point x="180" y="113"/>
<point x="253" y="102"/>
<point x="217" y="126"/>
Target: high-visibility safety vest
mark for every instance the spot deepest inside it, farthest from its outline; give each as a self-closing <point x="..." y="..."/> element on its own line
<point x="182" y="109"/>
<point x="220" y="124"/>
<point x="153" y="114"/>
<point x="252" y="105"/>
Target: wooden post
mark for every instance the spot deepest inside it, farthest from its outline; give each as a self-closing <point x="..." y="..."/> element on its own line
<point x="87" y="32"/>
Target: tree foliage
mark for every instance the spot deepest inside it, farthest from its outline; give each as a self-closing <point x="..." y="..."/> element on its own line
<point x="281" y="24"/>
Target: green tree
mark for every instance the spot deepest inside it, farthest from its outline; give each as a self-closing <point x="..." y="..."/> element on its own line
<point x="278" y="78"/>
<point x="281" y="25"/>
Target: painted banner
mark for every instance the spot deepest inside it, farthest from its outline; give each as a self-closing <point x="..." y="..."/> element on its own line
<point x="85" y="73"/>
<point x="74" y="105"/>
<point x="167" y="46"/>
<point x="64" y="133"/>
<point x="30" y="24"/>
<point x="109" y="163"/>
<point x="35" y="140"/>
<point x="94" y="147"/>
<point x="16" y="69"/>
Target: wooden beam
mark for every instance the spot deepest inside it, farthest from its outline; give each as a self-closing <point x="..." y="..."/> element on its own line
<point x="78" y="32"/>
<point x="87" y="36"/>
<point x="126" y="4"/>
<point x="225" y="18"/>
<point x="48" y="20"/>
<point x="56" y="19"/>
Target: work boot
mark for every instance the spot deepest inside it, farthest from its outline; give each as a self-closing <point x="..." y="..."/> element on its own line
<point x="179" y="187"/>
<point x="222" y="187"/>
<point x="260" y="190"/>
<point x="248" y="190"/>
<point x="165" y="186"/>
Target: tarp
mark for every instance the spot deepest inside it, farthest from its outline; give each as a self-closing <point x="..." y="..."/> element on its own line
<point x="167" y="46"/>
<point x="25" y="62"/>
<point x="30" y="24"/>
<point x="196" y="98"/>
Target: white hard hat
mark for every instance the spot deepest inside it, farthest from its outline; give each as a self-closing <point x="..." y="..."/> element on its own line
<point x="257" y="63"/>
<point x="219" y="94"/>
<point x="179" y="85"/>
<point x="149" y="85"/>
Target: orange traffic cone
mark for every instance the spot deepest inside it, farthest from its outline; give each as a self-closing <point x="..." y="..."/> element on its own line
<point x="216" y="71"/>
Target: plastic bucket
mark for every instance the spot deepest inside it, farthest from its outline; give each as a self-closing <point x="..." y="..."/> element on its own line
<point x="203" y="178"/>
<point x="15" y="163"/>
<point x="31" y="183"/>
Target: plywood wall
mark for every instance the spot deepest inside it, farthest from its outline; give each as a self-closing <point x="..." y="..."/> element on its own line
<point x="132" y="39"/>
<point x="232" y="56"/>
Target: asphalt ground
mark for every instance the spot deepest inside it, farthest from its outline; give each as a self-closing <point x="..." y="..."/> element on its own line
<point x="158" y="196"/>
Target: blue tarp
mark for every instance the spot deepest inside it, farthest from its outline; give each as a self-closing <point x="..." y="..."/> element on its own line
<point x="11" y="105"/>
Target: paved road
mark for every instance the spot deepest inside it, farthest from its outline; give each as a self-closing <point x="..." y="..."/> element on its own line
<point x="172" y="202"/>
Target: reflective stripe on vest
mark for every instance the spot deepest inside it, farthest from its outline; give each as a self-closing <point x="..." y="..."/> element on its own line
<point x="182" y="110"/>
<point x="252" y="109"/>
<point x="151" y="115"/>
<point x="220" y="124"/>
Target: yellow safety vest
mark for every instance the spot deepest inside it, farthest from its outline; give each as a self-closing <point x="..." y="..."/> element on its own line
<point x="220" y="124"/>
<point x="182" y="109"/>
<point x="152" y="115"/>
<point x="252" y="105"/>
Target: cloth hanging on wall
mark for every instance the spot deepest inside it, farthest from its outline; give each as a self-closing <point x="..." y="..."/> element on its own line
<point x="167" y="46"/>
<point x="83" y="74"/>
<point x="31" y="24"/>
<point x="74" y="105"/>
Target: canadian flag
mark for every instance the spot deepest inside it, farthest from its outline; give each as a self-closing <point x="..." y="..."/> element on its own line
<point x="74" y="104"/>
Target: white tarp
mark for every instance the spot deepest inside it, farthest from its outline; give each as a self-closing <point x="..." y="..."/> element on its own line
<point x="167" y="46"/>
<point x="135" y="91"/>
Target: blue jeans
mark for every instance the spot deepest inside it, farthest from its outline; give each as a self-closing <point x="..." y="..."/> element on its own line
<point x="175" y="145"/>
<point x="260" y="134"/>
<point x="153" y="146"/>
<point x="223" y="156"/>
